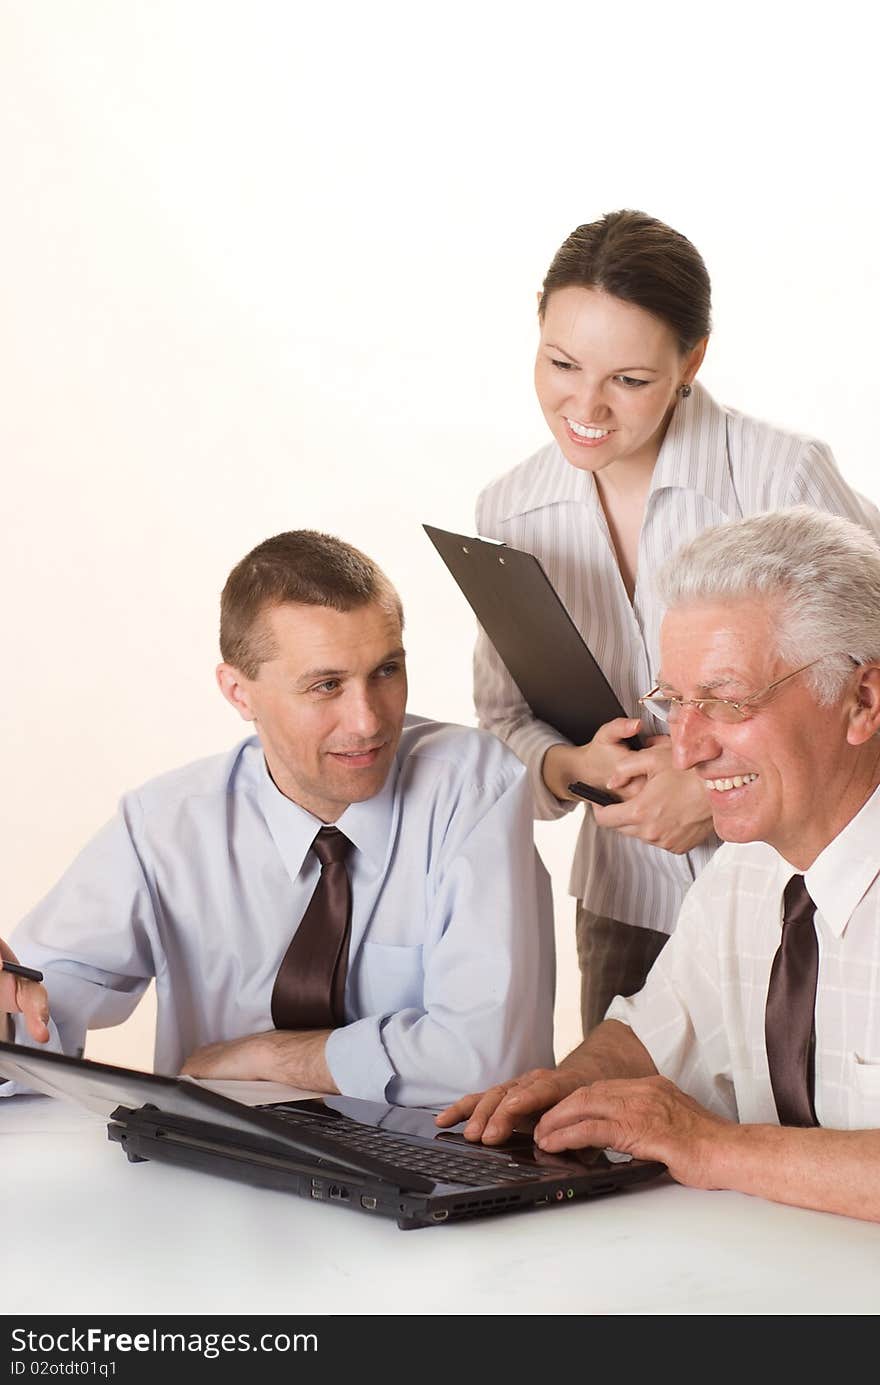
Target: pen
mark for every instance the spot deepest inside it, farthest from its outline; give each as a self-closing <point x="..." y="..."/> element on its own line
<point x="15" y="969"/>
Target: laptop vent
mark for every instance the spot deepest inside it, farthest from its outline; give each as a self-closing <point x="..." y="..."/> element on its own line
<point x="474" y="1208"/>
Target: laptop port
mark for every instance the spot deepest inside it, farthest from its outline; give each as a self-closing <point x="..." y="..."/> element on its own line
<point x="439" y="1216"/>
<point x="369" y="1203"/>
<point x="341" y="1194"/>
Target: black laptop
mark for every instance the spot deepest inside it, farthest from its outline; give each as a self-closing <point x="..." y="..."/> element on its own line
<point x="532" y="632"/>
<point x="386" y="1160"/>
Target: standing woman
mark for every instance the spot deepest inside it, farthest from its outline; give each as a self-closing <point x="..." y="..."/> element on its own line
<point x="642" y="459"/>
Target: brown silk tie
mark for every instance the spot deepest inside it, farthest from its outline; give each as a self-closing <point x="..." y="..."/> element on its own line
<point x="789" y="1020"/>
<point x="309" y="991"/>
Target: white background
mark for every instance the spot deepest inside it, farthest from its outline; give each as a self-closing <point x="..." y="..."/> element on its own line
<point x="268" y="265"/>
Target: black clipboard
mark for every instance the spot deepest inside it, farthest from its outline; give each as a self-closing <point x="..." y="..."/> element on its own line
<point x="535" y="637"/>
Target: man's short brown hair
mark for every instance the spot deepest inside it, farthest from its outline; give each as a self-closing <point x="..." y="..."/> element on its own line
<point x="304" y="567"/>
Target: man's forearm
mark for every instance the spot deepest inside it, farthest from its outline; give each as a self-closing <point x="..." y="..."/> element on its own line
<point x="610" y="1050"/>
<point x="298" y="1058"/>
<point x="295" y="1057"/>
<point x="827" y="1170"/>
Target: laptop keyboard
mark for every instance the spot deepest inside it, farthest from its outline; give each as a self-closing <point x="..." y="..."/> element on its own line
<point x="442" y="1165"/>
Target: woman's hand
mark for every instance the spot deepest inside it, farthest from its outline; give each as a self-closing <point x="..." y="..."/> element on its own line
<point x="670" y="807"/>
<point x="592" y="763"/>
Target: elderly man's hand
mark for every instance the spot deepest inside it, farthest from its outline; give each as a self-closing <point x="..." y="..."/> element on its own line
<point x="647" y="1117"/>
<point x="493" y="1115"/>
<point x="20" y="996"/>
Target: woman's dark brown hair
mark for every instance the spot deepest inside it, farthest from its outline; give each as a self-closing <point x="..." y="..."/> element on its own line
<point x="642" y="261"/>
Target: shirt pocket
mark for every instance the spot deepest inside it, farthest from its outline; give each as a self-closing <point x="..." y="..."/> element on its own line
<point x="391" y="978"/>
<point x="864" y="1093"/>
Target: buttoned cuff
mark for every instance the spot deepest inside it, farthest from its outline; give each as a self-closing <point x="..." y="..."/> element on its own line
<point x="357" y="1060"/>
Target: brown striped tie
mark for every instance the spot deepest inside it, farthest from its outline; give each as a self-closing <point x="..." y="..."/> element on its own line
<point x="309" y="991"/>
<point x="789" y="1019"/>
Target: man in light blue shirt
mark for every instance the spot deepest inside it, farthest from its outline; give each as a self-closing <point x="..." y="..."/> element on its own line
<point x="202" y="877"/>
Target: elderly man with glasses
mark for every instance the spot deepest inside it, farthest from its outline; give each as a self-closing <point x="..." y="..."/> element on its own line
<point x="750" y="1060"/>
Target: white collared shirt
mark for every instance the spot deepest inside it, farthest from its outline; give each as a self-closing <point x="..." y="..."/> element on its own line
<point x="203" y="876"/>
<point x="700" y="1013"/>
<point x="714" y="465"/>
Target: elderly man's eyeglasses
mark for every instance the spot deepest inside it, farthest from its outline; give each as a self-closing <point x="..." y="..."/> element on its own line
<point x="715" y="708"/>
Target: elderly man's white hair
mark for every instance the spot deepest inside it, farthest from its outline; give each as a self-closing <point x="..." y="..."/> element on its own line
<point x="820" y="572"/>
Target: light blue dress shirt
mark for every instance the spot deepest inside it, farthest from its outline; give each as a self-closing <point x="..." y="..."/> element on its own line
<point x="204" y="874"/>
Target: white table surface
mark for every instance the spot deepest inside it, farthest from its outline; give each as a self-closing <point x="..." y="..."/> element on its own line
<point x="87" y="1232"/>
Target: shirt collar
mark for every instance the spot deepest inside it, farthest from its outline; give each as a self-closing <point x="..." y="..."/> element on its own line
<point x="693" y="455"/>
<point x="550" y="480"/>
<point x="842" y="873"/>
<point x="367" y="825"/>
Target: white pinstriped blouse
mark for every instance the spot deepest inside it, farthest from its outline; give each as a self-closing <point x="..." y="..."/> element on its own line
<point x="714" y="465"/>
